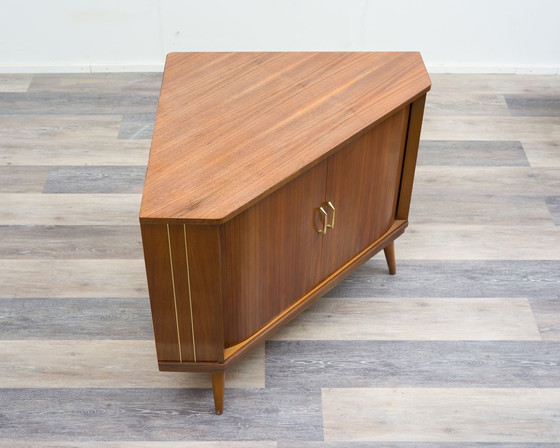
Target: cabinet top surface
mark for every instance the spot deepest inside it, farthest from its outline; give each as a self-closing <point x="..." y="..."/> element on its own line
<point x="232" y="127"/>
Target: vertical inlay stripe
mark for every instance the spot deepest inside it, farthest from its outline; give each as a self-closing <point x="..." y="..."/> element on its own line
<point x="190" y="295"/>
<point x="174" y="295"/>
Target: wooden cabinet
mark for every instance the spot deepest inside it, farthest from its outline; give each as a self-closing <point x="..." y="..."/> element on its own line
<point x="271" y="177"/>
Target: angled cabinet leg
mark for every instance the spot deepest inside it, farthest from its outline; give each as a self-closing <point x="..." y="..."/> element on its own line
<point x="218" y="386"/>
<point x="390" y="257"/>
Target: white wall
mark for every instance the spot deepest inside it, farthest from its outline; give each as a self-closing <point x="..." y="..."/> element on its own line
<point x="508" y="36"/>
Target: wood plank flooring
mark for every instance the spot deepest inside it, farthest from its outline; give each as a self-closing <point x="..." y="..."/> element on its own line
<point x="461" y="349"/>
<point x="396" y="414"/>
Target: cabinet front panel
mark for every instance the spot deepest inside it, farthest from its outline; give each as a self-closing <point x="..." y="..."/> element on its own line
<point x="271" y="255"/>
<point x="362" y="184"/>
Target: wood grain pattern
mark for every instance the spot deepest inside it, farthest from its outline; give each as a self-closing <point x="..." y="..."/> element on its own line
<point x="15" y="82"/>
<point x="440" y="415"/>
<point x="487" y="180"/>
<point x="372" y="364"/>
<point x="542" y="154"/>
<point x="68" y="209"/>
<point x="534" y="105"/>
<point x="70" y="242"/>
<point x="48" y="140"/>
<point x="160" y="272"/>
<point x="265" y="268"/>
<point x="500" y="128"/>
<point x="160" y="414"/>
<point x="453" y="278"/>
<point x="268" y="104"/>
<point x="182" y="285"/>
<point x="134" y="83"/>
<point x="74" y="103"/>
<point x="471" y="153"/>
<point x="237" y="351"/>
<point x="122" y="152"/>
<point x="363" y="182"/>
<point x="137" y="126"/>
<point x="553" y="204"/>
<point x="22" y="179"/>
<point x="547" y="316"/>
<point x="107" y="363"/>
<point x="203" y="246"/>
<point x="478" y="208"/>
<point x="142" y="444"/>
<point x="488" y="104"/>
<point x="494" y="242"/>
<point x="72" y="278"/>
<point x="415" y="319"/>
<point x="347" y="444"/>
<point x="494" y="83"/>
<point x="72" y="318"/>
<point x="95" y="179"/>
<point x="43" y="131"/>
<point x="549" y="179"/>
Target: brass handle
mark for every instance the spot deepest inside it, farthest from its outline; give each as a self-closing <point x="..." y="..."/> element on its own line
<point x="325" y="219"/>
<point x="331" y="225"/>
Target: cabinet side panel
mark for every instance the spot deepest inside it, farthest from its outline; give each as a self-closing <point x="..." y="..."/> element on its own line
<point x="204" y="262"/>
<point x="411" y="154"/>
<point x="183" y="300"/>
<point x="160" y="286"/>
<point x="398" y="179"/>
<point x="271" y="254"/>
<point x="362" y="183"/>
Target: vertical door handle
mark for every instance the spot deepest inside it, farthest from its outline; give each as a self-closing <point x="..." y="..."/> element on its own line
<point x="325" y="218"/>
<point x="331" y="206"/>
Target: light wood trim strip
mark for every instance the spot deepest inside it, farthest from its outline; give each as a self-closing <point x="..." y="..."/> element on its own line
<point x="174" y="295"/>
<point x="190" y="294"/>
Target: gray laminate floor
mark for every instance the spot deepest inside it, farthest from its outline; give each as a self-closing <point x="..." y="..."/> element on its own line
<point x="460" y="349"/>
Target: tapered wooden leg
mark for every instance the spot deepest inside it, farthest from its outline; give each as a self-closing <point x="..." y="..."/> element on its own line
<point x="218" y="386"/>
<point x="390" y="256"/>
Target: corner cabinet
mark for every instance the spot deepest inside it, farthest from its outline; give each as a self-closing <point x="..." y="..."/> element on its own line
<point x="271" y="177"/>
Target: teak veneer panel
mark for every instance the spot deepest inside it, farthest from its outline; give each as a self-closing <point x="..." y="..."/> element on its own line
<point x="233" y="127"/>
<point x="272" y="255"/>
<point x="184" y="280"/>
<point x="155" y="241"/>
<point x="361" y="185"/>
